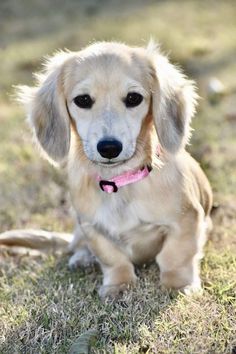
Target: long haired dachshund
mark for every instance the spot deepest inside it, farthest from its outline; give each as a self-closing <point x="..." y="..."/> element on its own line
<point x="118" y="118"/>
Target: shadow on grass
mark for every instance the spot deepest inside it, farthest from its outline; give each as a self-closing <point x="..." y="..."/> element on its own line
<point x="60" y="305"/>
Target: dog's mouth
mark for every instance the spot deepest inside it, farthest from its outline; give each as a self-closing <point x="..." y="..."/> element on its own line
<point x="109" y="163"/>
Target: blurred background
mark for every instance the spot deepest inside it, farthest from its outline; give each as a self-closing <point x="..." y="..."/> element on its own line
<point x="44" y="306"/>
<point x="198" y="35"/>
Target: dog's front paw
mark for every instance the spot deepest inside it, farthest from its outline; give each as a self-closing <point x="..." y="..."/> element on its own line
<point x="192" y="289"/>
<point x="81" y="259"/>
<point x="112" y="292"/>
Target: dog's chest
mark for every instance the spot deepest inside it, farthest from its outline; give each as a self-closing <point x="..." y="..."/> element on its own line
<point x="117" y="216"/>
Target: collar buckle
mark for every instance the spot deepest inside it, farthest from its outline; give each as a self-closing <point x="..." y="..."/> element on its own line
<point x="104" y="183"/>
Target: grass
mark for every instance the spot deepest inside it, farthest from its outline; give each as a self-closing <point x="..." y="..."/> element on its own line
<point x="45" y="307"/>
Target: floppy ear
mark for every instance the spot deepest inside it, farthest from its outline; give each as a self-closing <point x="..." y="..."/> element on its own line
<point x="174" y="101"/>
<point x="47" y="109"/>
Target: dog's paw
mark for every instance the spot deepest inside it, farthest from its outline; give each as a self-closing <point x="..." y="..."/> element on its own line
<point x="81" y="259"/>
<point x="192" y="289"/>
<point x="112" y="292"/>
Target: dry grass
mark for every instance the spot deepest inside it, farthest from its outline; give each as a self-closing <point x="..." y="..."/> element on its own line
<point x="45" y="307"/>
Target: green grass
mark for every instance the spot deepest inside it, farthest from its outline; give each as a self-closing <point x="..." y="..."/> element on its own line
<point x="43" y="306"/>
<point x="46" y="307"/>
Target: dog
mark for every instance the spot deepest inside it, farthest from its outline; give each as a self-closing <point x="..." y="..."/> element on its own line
<point x="117" y="118"/>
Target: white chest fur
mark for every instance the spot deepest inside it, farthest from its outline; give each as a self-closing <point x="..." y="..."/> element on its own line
<point x="133" y="206"/>
<point x="116" y="215"/>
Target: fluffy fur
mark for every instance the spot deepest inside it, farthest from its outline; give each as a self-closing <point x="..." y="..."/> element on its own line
<point x="163" y="217"/>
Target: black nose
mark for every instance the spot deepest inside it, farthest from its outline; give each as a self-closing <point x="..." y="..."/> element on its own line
<point x="109" y="148"/>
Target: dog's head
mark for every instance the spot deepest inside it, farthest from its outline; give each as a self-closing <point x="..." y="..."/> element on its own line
<point x="105" y="92"/>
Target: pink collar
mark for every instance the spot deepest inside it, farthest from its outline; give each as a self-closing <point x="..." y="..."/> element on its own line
<point x="112" y="185"/>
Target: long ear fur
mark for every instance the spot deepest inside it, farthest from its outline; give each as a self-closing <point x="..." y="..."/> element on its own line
<point x="47" y="110"/>
<point x="174" y="100"/>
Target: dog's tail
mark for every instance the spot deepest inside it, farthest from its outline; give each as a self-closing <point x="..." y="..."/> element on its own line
<point x="41" y="240"/>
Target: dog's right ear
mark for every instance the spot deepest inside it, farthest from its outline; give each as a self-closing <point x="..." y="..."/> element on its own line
<point x="47" y="109"/>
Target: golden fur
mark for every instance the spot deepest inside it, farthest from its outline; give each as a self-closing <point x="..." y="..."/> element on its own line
<point x="163" y="217"/>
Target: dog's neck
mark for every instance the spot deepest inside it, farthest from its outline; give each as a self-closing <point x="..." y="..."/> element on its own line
<point x="112" y="185"/>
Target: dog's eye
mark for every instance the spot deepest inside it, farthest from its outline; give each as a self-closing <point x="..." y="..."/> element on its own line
<point x="84" y="101"/>
<point x="133" y="99"/>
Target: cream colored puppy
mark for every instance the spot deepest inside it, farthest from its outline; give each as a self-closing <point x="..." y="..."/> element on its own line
<point x="118" y="118"/>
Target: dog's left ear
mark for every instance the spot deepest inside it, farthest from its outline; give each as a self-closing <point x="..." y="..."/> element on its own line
<point x="174" y="100"/>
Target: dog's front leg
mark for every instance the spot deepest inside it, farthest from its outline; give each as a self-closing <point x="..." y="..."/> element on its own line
<point x="181" y="252"/>
<point x="118" y="271"/>
<point x="81" y="257"/>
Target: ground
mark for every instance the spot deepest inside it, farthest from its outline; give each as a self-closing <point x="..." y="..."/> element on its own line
<point x="44" y="306"/>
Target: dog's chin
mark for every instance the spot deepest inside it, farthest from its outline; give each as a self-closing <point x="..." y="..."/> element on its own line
<point x="110" y="167"/>
<point x="110" y="164"/>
